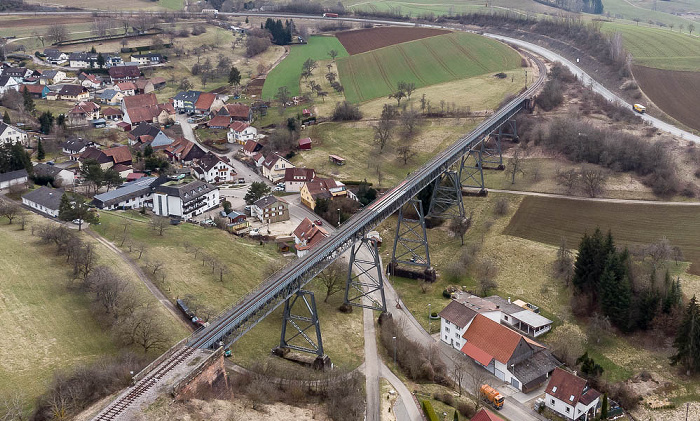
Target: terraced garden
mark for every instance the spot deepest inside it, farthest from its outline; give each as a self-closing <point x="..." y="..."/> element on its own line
<point x="424" y="62"/>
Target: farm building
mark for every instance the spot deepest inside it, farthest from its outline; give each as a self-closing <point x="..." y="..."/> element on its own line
<point x="124" y="73"/>
<point x="305" y="144"/>
<point x="336" y="159"/>
<point x="61" y="177"/>
<point x="13" y="178"/>
<point x="251" y="147"/>
<point x="36" y="91"/>
<point x="44" y="199"/>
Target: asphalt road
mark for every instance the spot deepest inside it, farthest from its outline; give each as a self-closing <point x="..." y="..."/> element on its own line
<point x="587" y="80"/>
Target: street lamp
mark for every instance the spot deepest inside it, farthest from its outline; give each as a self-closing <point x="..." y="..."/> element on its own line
<point x="429" y="319"/>
<point x="394" y="349"/>
<point x="338" y="217"/>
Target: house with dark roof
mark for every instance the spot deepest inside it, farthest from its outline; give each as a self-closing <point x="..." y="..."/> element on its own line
<point x="570" y="396"/>
<point x="510" y="356"/>
<point x="183" y="151"/>
<point x="92" y="153"/>
<point x="13" y="178"/>
<point x="270" y="209"/>
<point x="61" y="176"/>
<point x="111" y="97"/>
<point x="11" y="134"/>
<point x="307" y="235"/>
<point x="44" y="199"/>
<point x="146" y="59"/>
<point x="51" y="77"/>
<point x="112" y="114"/>
<point x="274" y="166"/>
<point x="74" y="146"/>
<point x="184" y="199"/>
<point x="214" y="169"/>
<point x="241" y="132"/>
<point x="184" y="102"/>
<point x="485" y="415"/>
<point x="36" y="91"/>
<point x="82" y="113"/>
<point x="236" y="112"/>
<point x="321" y="188"/>
<point x="73" y="93"/>
<point x="251" y="147"/>
<point x="148" y="134"/>
<point x="17" y="73"/>
<point x="82" y="60"/>
<point x="295" y="178"/>
<point x="124" y="73"/>
<point x="7" y="83"/>
<point x="135" y="194"/>
<point x="54" y="56"/>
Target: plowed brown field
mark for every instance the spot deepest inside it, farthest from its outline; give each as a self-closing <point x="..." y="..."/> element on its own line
<point x="675" y="92"/>
<point x="363" y="40"/>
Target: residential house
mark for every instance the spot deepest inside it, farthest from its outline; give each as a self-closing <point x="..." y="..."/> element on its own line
<point x="7" y="83"/>
<point x="82" y="60"/>
<point x="92" y="153"/>
<point x="258" y="158"/>
<point x="127" y="88"/>
<point x="570" y="396"/>
<point x="236" y="112"/>
<point x="11" y="134"/>
<point x="251" y="148"/>
<point x="90" y="81"/>
<point x="73" y="93"/>
<point x="185" y="200"/>
<point x="112" y="114"/>
<point x="44" y="199"/>
<point x="83" y="112"/>
<point x="321" y="188"/>
<point x="62" y="177"/>
<point x="274" y="166"/>
<point x="123" y="170"/>
<point x="295" y="178"/>
<point x="305" y="144"/>
<point x="135" y="194"/>
<point x="107" y="158"/>
<point x="113" y="59"/>
<point x="36" y="91"/>
<point x="148" y="134"/>
<point x="219" y="122"/>
<point x="144" y="86"/>
<point x="204" y="103"/>
<point x="237" y="221"/>
<point x="183" y="151"/>
<point x="51" y="77"/>
<point x="17" y="73"/>
<point x="240" y="132"/>
<point x="119" y="155"/>
<point x="184" y="102"/>
<point x="270" y="209"/>
<point x="111" y="97"/>
<point x="214" y="169"/>
<point x="13" y="178"/>
<point x="485" y="415"/>
<point x="307" y="235"/>
<point x="145" y="109"/>
<point x="53" y="56"/>
<point x="510" y="356"/>
<point x="146" y="59"/>
<point x="75" y="146"/>
<point x="124" y="73"/>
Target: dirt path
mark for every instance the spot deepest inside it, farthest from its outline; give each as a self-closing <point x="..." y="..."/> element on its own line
<point x="278" y="61"/>
<point x="150" y="285"/>
<point x="596" y="199"/>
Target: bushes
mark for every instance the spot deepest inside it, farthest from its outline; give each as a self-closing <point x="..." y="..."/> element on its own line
<point x="345" y="111"/>
<point x="429" y="411"/>
<point x="551" y="96"/>
<point x="256" y="45"/>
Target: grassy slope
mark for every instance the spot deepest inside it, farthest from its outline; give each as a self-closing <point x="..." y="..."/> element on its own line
<point x="424" y="62"/>
<point x="288" y="72"/>
<point x="660" y="48"/>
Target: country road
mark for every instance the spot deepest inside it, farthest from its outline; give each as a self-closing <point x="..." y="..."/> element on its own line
<point x="587" y="80"/>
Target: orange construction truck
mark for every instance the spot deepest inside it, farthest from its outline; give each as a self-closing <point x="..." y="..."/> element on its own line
<point x="492" y="395"/>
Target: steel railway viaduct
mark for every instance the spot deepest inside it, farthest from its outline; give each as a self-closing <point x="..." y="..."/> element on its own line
<point x="459" y="166"/>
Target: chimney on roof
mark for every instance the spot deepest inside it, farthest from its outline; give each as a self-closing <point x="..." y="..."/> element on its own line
<point x="508" y="300"/>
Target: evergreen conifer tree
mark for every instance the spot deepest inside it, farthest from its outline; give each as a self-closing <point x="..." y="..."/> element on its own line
<point x="28" y="100"/>
<point x="40" y="154"/>
<point x="6" y="118"/>
<point x="604" y="407"/>
<point x="687" y="342"/>
<point x="615" y="293"/>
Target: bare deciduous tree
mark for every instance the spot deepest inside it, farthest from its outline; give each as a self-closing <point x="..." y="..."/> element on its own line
<point x="564" y="263"/>
<point x="569" y="179"/>
<point x="568" y="342"/>
<point x="383" y="132"/>
<point x="57" y="33"/>
<point x="460" y="226"/>
<point x="160" y="224"/>
<point x="145" y="330"/>
<point x="593" y="181"/>
<point x="333" y="278"/>
<point x="515" y="166"/>
<point x="9" y="210"/>
<point x="459" y="371"/>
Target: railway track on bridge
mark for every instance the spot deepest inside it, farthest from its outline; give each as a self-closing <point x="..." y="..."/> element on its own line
<point x="236" y="320"/>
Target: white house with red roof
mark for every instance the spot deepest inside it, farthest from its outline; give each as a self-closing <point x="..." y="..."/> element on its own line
<point x="213" y="169"/>
<point x="295" y="178"/>
<point x="570" y="396"/>
<point x="307" y="235"/>
<point x="274" y="166"/>
<point x="240" y="132"/>
<point x="485" y="415"/>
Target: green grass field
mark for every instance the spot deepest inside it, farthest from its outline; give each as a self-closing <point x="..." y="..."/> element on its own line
<point x="547" y="220"/>
<point x="659" y="48"/>
<point x="288" y="72"/>
<point x="424" y="62"/>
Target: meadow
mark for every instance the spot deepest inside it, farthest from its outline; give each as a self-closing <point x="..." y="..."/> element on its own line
<point x="423" y="62"/>
<point x="288" y="71"/>
<point x="659" y="48"/>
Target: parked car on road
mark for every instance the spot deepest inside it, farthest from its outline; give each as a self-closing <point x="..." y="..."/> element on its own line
<point x="318" y="222"/>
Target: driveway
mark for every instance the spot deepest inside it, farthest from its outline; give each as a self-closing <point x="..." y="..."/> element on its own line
<point x="597" y="87"/>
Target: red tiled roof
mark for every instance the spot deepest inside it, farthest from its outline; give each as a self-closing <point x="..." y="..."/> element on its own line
<point x="250" y="146"/>
<point x="137" y="101"/>
<point x="486" y="415"/>
<point x="33" y="89"/>
<point x="204" y="101"/>
<point x="321" y="186"/>
<point x="111" y="111"/>
<point x="141" y="83"/>
<point x="219" y="121"/>
<point x="126" y="86"/>
<point x="134" y="176"/>
<point x="565" y="386"/>
<point x="493" y="338"/>
<point x="240" y="111"/>
<point x="305" y="141"/>
<point x="309" y="232"/>
<point x="238" y="126"/>
<point x="472" y="351"/>
<point x="121" y="72"/>
<point x="119" y="154"/>
<point x="299" y="174"/>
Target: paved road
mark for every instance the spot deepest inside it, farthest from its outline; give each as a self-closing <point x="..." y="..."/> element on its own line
<point x="597" y="87"/>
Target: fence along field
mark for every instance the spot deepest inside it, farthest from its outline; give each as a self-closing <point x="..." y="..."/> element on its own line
<point x="424" y="62"/>
<point x="547" y="220"/>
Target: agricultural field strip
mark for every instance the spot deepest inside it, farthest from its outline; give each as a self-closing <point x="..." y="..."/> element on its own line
<point x="424" y="62"/>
